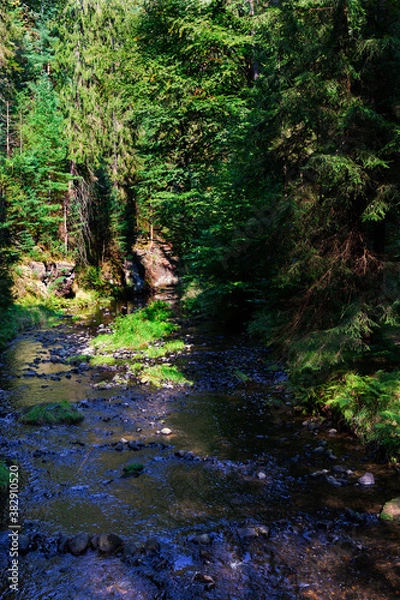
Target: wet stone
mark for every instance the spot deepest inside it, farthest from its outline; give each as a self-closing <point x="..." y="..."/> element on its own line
<point x="332" y="481"/>
<point x="166" y="431"/>
<point x="151" y="547"/>
<point x="62" y="543"/>
<point x="109" y="542"/>
<point x="247" y="533"/>
<point x="203" y="539"/>
<point x="367" y="479"/>
<point x="78" y="544"/>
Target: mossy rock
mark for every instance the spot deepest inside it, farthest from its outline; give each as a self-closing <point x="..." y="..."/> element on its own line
<point x="133" y="470"/>
<point x="52" y="414"/>
<point x="391" y="511"/>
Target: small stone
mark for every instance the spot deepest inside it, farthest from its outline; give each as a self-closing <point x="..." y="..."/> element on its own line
<point x="263" y="530"/>
<point x="109" y="542"/>
<point x="130" y="551"/>
<point x="123" y="441"/>
<point x="330" y="479"/>
<point x="202" y="538"/>
<point x="78" y="544"/>
<point x="62" y="543"/>
<point x="119" y="447"/>
<point x="206" y="579"/>
<point x="261" y="475"/>
<point x="367" y="479"/>
<point x="247" y="532"/>
<point x="339" y="469"/>
<point x="180" y="453"/>
<point x="151" y="547"/>
<point x="166" y="431"/>
<point x="319" y="473"/>
<point x="94" y="542"/>
<point x="332" y="431"/>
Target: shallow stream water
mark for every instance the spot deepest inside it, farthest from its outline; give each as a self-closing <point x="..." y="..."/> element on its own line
<point x="246" y="498"/>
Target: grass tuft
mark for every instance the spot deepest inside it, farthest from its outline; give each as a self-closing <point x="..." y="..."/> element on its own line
<point x="52" y="414"/>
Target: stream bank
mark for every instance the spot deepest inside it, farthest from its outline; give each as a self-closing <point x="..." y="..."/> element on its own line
<point x="239" y="496"/>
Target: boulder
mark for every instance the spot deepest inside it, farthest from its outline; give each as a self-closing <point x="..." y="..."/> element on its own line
<point x="158" y="263"/>
<point x="391" y="511"/>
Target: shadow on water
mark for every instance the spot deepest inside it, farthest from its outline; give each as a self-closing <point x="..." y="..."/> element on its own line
<point x="274" y="494"/>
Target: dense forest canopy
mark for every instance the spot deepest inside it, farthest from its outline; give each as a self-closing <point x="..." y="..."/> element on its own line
<point x="259" y="138"/>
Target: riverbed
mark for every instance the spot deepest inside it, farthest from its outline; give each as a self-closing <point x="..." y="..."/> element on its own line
<point x="240" y="495"/>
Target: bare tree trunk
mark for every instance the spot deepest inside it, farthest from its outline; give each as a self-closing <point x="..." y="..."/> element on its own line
<point x="8" y="142"/>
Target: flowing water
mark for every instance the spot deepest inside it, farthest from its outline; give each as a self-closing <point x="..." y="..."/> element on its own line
<point x="246" y="498"/>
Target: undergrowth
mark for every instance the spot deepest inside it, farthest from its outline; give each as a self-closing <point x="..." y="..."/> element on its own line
<point x="352" y="370"/>
<point x="19" y="317"/>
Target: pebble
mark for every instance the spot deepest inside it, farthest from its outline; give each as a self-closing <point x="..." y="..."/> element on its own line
<point x="261" y="475"/>
<point x="166" y="431"/>
<point x="335" y="482"/>
<point x="202" y="538"/>
<point x="367" y="479"/>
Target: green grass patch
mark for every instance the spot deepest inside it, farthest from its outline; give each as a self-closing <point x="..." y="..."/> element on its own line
<point x="52" y="414"/>
<point x="159" y="375"/>
<point x="77" y="359"/>
<point x="139" y="329"/>
<point x="171" y="347"/>
<point x="105" y="360"/>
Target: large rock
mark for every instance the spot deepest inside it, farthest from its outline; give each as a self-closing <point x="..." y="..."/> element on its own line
<point x="391" y="511"/>
<point x="159" y="264"/>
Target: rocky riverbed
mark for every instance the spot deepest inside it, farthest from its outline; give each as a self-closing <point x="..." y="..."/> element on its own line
<point x="219" y="490"/>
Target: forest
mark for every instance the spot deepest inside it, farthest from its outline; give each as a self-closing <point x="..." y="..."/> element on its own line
<point x="258" y="139"/>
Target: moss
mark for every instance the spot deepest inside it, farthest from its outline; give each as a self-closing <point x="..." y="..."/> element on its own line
<point x="52" y="414"/>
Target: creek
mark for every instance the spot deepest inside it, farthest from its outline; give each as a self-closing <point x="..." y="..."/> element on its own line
<point x="244" y="498"/>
